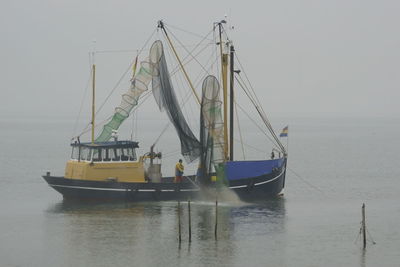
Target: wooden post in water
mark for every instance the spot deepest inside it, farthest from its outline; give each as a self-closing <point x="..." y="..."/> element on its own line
<point x="216" y="218"/>
<point x="190" y="222"/>
<point x="179" y="222"/>
<point x="363" y="226"/>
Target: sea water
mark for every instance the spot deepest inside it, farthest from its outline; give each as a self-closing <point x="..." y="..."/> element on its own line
<point x="335" y="165"/>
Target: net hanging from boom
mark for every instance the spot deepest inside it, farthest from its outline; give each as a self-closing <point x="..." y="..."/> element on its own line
<point x="165" y="97"/>
<point x="211" y="131"/>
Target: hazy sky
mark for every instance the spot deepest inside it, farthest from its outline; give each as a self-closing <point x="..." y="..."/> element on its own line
<point x="335" y="57"/>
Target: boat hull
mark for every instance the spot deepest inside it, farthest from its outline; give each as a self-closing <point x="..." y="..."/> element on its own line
<point x="248" y="189"/>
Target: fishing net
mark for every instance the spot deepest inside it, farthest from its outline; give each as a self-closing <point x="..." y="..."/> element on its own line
<point x="165" y="97"/>
<point x="211" y="131"/>
<point x="139" y="84"/>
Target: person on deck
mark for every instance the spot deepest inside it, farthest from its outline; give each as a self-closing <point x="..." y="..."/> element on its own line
<point x="272" y="155"/>
<point x="199" y="173"/>
<point x="179" y="172"/>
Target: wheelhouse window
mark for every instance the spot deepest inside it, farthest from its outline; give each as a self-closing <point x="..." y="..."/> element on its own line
<point x="103" y="153"/>
<point x="86" y="154"/>
<point x="89" y="156"/>
<point x="75" y="153"/>
<point x="97" y="154"/>
<point x="128" y="154"/>
<point x="116" y="154"/>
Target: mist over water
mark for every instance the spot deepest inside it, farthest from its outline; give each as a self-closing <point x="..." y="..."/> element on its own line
<point x="344" y="161"/>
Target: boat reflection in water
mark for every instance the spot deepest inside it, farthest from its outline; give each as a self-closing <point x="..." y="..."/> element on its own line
<point x="147" y="232"/>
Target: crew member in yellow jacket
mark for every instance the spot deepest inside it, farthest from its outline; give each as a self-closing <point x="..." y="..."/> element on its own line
<point x="179" y="172"/>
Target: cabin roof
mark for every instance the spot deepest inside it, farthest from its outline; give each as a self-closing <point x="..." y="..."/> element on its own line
<point x="109" y="144"/>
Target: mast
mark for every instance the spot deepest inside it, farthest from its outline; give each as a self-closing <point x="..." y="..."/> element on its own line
<point x="224" y="70"/>
<point x="232" y="72"/>
<point x="93" y="96"/>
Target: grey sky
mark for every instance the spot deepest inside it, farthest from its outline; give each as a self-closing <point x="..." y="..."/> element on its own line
<point x="334" y="57"/>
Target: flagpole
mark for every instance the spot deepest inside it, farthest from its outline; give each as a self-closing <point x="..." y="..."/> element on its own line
<point x="287" y="143"/>
<point x="285" y="133"/>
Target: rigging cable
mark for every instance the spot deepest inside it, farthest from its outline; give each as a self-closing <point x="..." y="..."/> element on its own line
<point x="272" y="141"/>
<point x="179" y="85"/>
<point x="117" y="84"/>
<point x="252" y="147"/>
<point x="181" y="104"/>
<point x="83" y="98"/>
<point x="304" y="181"/>
<point x="87" y="129"/>
<point x="263" y="116"/>
<point x="142" y="49"/>
<point x="123" y="75"/>
<point x="260" y="108"/>
<point x="187" y="51"/>
<point x="215" y="52"/>
<point x="133" y="50"/>
<point x="133" y="123"/>
<point x="254" y="98"/>
<point x="240" y="131"/>
<point x="189" y="32"/>
<point x="198" y="79"/>
<point x="178" y="67"/>
<point x="169" y="122"/>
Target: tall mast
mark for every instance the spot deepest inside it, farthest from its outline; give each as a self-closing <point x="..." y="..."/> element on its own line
<point x="93" y="96"/>
<point x="232" y="72"/>
<point x="224" y="70"/>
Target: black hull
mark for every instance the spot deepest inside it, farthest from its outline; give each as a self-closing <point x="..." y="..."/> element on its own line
<point x="248" y="189"/>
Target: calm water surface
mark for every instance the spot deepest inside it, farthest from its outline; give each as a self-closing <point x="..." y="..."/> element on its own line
<point x="344" y="162"/>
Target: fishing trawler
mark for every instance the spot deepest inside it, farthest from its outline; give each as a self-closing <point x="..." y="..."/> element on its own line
<point x="107" y="168"/>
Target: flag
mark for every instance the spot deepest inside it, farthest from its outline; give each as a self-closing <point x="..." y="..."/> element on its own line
<point x="284" y="132"/>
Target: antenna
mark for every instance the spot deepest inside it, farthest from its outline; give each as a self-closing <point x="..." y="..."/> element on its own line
<point x="93" y="88"/>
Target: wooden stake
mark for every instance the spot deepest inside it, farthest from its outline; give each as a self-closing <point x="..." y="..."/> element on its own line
<point x="179" y="222"/>
<point x="216" y="218"/>
<point x="190" y="223"/>
<point x="363" y="226"/>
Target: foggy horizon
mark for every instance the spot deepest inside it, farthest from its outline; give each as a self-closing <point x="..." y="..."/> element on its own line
<point x="303" y="58"/>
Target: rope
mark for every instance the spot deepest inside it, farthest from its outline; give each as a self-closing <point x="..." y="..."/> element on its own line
<point x="135" y="50"/>
<point x="86" y="129"/>
<point x="192" y="182"/>
<point x="167" y="125"/>
<point x="259" y="106"/>
<point x="189" y="32"/>
<point x="133" y="123"/>
<point x="255" y="123"/>
<point x="215" y="53"/>
<point x="178" y="67"/>
<point x="123" y="75"/>
<point x="263" y="117"/>
<point x="247" y="78"/>
<point x="304" y="181"/>
<point x="187" y="51"/>
<point x="181" y="104"/>
<point x="180" y="85"/>
<point x="240" y="132"/>
<point x="250" y="146"/>
<point x="170" y="154"/>
<point x="359" y="235"/>
<point x="82" y="101"/>
<point x="373" y="242"/>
